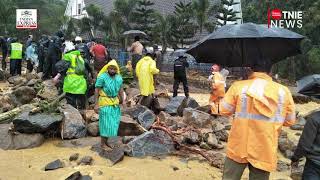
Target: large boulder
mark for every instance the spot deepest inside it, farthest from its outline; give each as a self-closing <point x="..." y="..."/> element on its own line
<point x="7" y="103"/>
<point x="24" y="95"/>
<point x="115" y="155"/>
<point x="179" y="103"/>
<point x="73" y="126"/>
<point x="135" y="111"/>
<point x="151" y="143"/>
<point x="15" y="80"/>
<point x="37" y="123"/>
<point x="49" y="91"/>
<point x="222" y="135"/>
<point x="129" y="127"/>
<point x="206" y="109"/>
<point x="10" y="140"/>
<point x="197" y="119"/>
<point x="146" y="119"/>
<point x="132" y="92"/>
<point x="163" y="102"/>
<point x="191" y="137"/>
<point x="33" y="82"/>
<point x="212" y="141"/>
<point x="142" y="114"/>
<point x="169" y="120"/>
<point x="93" y="129"/>
<point x="88" y="114"/>
<point x="161" y="90"/>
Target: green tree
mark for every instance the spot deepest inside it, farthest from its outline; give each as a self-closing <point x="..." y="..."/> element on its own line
<point x="94" y="21"/>
<point x="125" y="9"/>
<point x="203" y="11"/>
<point x="7" y="13"/>
<point x="144" y="16"/>
<point x="183" y="27"/>
<point x="226" y="12"/>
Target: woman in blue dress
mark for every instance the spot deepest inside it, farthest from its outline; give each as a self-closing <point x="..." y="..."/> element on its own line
<point x="109" y="96"/>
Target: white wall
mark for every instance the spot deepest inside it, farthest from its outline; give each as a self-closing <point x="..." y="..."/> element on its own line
<point x="73" y="11"/>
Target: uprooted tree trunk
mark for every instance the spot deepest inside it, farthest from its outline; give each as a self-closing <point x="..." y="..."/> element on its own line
<point x="7" y="116"/>
<point x="157" y="125"/>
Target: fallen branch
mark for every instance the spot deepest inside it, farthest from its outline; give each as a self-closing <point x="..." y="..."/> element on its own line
<point x="48" y="106"/>
<point x="174" y="139"/>
<point x="4" y="117"/>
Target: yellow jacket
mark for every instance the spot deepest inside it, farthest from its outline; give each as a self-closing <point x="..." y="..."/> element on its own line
<point x="260" y="107"/>
<point x="145" y="70"/>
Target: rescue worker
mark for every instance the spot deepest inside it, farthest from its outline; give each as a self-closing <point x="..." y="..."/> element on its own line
<point x="260" y="108"/>
<point x="218" y="88"/>
<point x="16" y="56"/>
<point x="145" y="70"/>
<point x="309" y="146"/>
<point x="136" y="50"/>
<point x="42" y="51"/>
<point x="74" y="83"/>
<point x="54" y="55"/>
<point x="83" y="48"/>
<point x="4" y="47"/>
<point x="180" y="65"/>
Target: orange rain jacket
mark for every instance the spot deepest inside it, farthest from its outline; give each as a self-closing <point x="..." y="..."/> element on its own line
<point x="218" y="91"/>
<point x="260" y="107"/>
<point x="218" y="87"/>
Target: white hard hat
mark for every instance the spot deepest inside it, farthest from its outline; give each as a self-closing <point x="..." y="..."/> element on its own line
<point x="149" y="50"/>
<point x="69" y="46"/>
<point x="78" y="38"/>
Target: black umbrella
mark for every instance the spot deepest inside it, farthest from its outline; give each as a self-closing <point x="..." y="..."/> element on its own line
<point x="242" y="45"/>
<point x="309" y="85"/>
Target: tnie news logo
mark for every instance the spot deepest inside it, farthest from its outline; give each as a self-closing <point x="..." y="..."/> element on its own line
<point x="284" y="19"/>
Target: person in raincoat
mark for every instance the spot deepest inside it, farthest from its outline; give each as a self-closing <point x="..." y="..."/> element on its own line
<point x="260" y="108"/>
<point x="74" y="83"/>
<point x="16" y="56"/>
<point x="32" y="57"/>
<point x="145" y="70"/>
<point x="218" y="88"/>
<point x="109" y="94"/>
